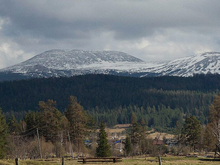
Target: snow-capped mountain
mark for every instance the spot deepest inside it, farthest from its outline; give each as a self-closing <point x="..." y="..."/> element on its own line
<point x="75" y="62"/>
<point x="56" y="63"/>
<point x="205" y="63"/>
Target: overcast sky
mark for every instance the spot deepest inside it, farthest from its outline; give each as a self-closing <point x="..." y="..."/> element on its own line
<point x="151" y="30"/>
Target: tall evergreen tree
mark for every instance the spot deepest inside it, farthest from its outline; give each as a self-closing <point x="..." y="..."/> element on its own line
<point x="31" y="119"/>
<point x="214" y="118"/>
<point x="50" y="120"/>
<point x="128" y="147"/>
<point x="209" y="140"/>
<point x="191" y="131"/>
<point x="135" y="134"/>
<point x="142" y="141"/>
<point x="103" y="149"/>
<point x="135" y="130"/>
<point x="12" y="125"/>
<point x="77" y="122"/>
<point x="3" y="135"/>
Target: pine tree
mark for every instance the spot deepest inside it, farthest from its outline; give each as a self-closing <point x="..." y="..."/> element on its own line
<point x="191" y="131"/>
<point x="77" y="122"/>
<point x="49" y="120"/>
<point x="142" y="142"/>
<point x="103" y="149"/>
<point x="209" y="141"/>
<point x="3" y="135"/>
<point x="31" y="119"/>
<point x="214" y="118"/>
<point x="135" y="130"/>
<point x="128" y="147"/>
<point x="12" y="125"/>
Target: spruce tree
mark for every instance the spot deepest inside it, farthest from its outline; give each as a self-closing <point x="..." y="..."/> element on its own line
<point x="50" y="120"/>
<point x="31" y="119"/>
<point x="209" y="140"/>
<point x="77" y="122"/>
<point x="191" y="131"/>
<point x="214" y="118"/>
<point x="135" y="134"/>
<point x="12" y="125"/>
<point x="103" y="149"/>
<point x="135" y="130"/>
<point x="3" y="135"/>
<point x="128" y="147"/>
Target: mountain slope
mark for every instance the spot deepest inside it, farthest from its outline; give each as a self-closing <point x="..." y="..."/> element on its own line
<point x="57" y="63"/>
<point x="200" y="64"/>
<point x="74" y="62"/>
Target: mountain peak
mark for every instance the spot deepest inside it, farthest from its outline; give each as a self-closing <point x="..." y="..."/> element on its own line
<point x="58" y="62"/>
<point x="84" y="57"/>
<point x="72" y="62"/>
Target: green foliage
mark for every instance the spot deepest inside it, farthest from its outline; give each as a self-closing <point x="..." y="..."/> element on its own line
<point x="128" y="147"/>
<point x="3" y="135"/>
<point x="13" y="125"/>
<point x="135" y="130"/>
<point x="50" y="120"/>
<point x="191" y="131"/>
<point x="110" y="92"/>
<point x="214" y="111"/>
<point x="77" y="121"/>
<point x="103" y="149"/>
<point x="31" y="119"/>
<point x="161" y="101"/>
<point x="164" y="118"/>
<point x="209" y="140"/>
<point x="214" y="119"/>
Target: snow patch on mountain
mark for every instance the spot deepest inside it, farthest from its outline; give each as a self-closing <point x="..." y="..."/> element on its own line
<point x="75" y="62"/>
<point x="200" y="64"/>
<point x="55" y="63"/>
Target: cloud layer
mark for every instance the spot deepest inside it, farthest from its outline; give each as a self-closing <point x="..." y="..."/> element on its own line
<point x="148" y="29"/>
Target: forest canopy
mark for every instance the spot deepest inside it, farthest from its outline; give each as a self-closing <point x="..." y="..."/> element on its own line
<point x="161" y="101"/>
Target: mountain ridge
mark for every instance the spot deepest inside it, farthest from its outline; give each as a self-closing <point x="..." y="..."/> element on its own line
<point x="66" y="63"/>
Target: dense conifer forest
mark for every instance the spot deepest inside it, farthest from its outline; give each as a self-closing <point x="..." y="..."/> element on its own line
<point x="159" y="101"/>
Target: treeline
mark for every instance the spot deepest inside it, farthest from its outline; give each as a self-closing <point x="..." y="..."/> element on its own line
<point x="56" y="131"/>
<point x="114" y="98"/>
<point x="50" y="133"/>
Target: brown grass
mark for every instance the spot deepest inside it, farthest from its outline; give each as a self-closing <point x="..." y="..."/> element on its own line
<point x="160" y="135"/>
<point x="170" y="160"/>
<point x="151" y="134"/>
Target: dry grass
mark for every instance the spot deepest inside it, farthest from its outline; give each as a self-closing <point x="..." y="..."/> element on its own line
<point x="116" y="130"/>
<point x="126" y="161"/>
<point x="160" y="135"/>
<point x="151" y="134"/>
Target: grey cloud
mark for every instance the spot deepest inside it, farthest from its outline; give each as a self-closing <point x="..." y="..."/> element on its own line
<point x="37" y="26"/>
<point x="128" y="19"/>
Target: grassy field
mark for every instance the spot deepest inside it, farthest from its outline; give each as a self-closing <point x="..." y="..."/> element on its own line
<point x="126" y="161"/>
<point x="151" y="134"/>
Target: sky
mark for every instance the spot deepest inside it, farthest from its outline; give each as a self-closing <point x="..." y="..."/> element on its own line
<point x="152" y="30"/>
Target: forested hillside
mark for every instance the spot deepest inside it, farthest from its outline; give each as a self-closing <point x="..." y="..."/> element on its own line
<point x="160" y="101"/>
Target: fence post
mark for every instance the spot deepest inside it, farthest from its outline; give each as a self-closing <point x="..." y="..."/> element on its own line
<point x="16" y="161"/>
<point x="159" y="158"/>
<point x="62" y="160"/>
<point x="84" y="160"/>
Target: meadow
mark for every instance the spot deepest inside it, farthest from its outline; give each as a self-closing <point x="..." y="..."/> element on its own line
<point x="169" y="160"/>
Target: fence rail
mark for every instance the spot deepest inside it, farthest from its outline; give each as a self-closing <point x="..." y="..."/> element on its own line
<point x="91" y="160"/>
